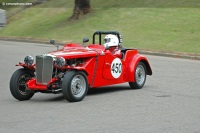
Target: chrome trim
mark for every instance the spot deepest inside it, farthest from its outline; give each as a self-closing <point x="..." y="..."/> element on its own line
<point x="44" y="69"/>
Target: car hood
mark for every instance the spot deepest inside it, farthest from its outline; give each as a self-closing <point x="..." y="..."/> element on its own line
<point x="74" y="53"/>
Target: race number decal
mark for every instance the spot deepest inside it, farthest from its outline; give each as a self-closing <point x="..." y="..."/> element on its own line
<point x="116" y="68"/>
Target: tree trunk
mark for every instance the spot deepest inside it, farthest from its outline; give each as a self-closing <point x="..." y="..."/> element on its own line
<point x="81" y="7"/>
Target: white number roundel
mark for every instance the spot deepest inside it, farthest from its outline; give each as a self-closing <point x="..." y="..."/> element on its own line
<point x="116" y="68"/>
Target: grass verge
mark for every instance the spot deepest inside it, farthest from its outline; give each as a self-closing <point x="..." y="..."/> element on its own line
<point x="171" y="29"/>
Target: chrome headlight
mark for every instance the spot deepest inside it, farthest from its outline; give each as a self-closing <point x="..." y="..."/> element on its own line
<point x="60" y="62"/>
<point x="28" y="60"/>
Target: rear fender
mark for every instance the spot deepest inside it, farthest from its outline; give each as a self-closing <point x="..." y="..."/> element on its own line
<point x="132" y="64"/>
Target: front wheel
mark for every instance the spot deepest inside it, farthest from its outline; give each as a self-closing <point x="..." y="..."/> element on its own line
<point x="140" y="76"/>
<point x="18" y="84"/>
<point x="74" y="86"/>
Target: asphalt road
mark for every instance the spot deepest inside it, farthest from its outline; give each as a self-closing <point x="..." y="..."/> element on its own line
<point x="168" y="103"/>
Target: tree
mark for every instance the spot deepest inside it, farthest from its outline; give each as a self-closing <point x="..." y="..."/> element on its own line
<point x="81" y="7"/>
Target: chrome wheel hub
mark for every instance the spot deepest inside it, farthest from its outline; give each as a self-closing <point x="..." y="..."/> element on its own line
<point x="140" y="75"/>
<point x="78" y="86"/>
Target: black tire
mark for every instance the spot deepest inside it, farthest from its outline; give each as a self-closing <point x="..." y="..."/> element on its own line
<point x="17" y="84"/>
<point x="140" y="76"/>
<point x="74" y="86"/>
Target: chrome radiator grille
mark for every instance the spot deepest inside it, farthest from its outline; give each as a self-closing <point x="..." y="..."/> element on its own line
<point x="44" y="69"/>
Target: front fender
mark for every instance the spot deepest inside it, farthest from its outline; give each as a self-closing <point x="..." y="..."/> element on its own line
<point x="89" y="69"/>
<point x="132" y="64"/>
<point x="32" y="67"/>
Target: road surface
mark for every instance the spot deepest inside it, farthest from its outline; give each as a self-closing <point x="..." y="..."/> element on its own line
<point x="168" y="103"/>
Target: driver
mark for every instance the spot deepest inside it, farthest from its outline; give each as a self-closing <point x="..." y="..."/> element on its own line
<point x="112" y="43"/>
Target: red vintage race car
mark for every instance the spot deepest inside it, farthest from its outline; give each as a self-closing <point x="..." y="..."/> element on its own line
<point x="76" y="67"/>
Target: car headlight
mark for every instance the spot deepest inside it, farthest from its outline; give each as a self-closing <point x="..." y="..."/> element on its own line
<point x="28" y="60"/>
<point x="60" y="62"/>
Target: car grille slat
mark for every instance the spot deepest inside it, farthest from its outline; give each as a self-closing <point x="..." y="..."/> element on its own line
<point x="39" y="69"/>
<point x="44" y="69"/>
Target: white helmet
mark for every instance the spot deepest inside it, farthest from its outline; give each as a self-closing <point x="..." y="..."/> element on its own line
<point x="111" y="40"/>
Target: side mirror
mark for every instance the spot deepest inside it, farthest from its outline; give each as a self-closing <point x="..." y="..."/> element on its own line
<point x="54" y="43"/>
<point x="85" y="40"/>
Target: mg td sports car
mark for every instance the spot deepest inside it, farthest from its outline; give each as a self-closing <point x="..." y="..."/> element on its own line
<point x="77" y="67"/>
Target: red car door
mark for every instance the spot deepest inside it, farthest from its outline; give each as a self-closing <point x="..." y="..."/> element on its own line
<point x="113" y="68"/>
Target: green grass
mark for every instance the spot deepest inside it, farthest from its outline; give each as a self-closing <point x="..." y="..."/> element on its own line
<point x="174" y="29"/>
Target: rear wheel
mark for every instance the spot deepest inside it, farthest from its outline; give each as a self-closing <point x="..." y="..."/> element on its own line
<point x="18" y="84"/>
<point x="74" y="86"/>
<point x="140" y="76"/>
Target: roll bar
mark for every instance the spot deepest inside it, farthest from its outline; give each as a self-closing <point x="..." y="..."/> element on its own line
<point x="105" y="33"/>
